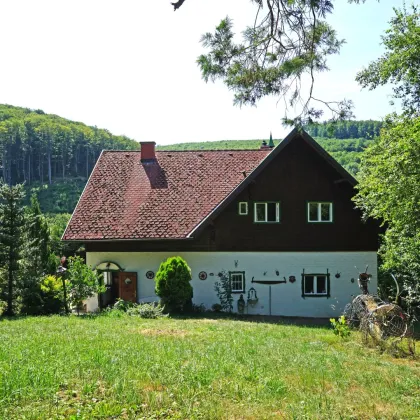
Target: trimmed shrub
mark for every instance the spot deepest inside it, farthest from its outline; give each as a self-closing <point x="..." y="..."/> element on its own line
<point x="173" y="284"/>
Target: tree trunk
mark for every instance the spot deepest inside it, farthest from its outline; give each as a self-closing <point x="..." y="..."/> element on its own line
<point x="49" y="160"/>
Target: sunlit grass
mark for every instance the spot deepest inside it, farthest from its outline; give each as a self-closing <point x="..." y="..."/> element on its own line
<point x="198" y="368"/>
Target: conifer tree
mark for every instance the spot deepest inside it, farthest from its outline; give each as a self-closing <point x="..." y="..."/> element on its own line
<point x="11" y="232"/>
<point x="38" y="255"/>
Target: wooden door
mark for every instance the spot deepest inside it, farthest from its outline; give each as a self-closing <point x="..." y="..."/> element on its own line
<point x="128" y="286"/>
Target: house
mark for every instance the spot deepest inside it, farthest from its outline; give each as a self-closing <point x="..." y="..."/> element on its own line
<point x="280" y="221"/>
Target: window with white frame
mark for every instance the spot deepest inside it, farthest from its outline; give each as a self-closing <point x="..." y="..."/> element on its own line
<point x="237" y="281"/>
<point x="315" y="285"/>
<point x="267" y="212"/>
<point x="243" y="208"/>
<point x="320" y="212"/>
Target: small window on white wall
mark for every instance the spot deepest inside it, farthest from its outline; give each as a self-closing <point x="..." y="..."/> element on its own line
<point x="320" y="212"/>
<point x="315" y="285"/>
<point x="243" y="208"/>
<point x="237" y="281"/>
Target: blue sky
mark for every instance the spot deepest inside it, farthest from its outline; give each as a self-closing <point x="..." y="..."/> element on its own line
<point x="129" y="66"/>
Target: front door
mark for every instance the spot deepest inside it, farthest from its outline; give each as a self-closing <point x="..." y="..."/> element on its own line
<point x="128" y="286"/>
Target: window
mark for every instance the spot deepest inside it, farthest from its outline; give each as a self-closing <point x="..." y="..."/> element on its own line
<point x="315" y="285"/>
<point x="243" y="208"/>
<point x="267" y="213"/>
<point x="237" y="281"/>
<point x="320" y="212"/>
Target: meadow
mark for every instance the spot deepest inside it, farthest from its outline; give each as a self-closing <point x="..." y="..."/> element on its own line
<point x="124" y="367"/>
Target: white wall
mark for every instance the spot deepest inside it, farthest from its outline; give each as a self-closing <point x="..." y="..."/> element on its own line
<point x="286" y="299"/>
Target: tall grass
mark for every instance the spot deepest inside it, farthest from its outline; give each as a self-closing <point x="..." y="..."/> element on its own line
<point x="126" y="367"/>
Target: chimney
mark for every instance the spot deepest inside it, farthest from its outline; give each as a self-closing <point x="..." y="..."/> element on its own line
<point x="147" y="151"/>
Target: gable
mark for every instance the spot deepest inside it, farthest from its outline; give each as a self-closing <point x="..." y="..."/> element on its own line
<point x="292" y="178"/>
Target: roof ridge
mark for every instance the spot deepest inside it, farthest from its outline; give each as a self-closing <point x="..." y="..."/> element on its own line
<point x="187" y="151"/>
<point x="211" y="150"/>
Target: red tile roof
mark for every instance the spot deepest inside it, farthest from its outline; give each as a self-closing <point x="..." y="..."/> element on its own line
<point x="163" y="199"/>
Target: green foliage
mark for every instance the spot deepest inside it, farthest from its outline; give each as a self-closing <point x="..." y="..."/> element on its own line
<point x="83" y="282"/>
<point x="59" y="197"/>
<point x="223" y="290"/>
<point x="146" y="310"/>
<point x="11" y="236"/>
<point x="44" y="297"/>
<point x="123" y="305"/>
<point x="389" y="190"/>
<point x="3" y="307"/>
<point x="288" y="41"/>
<point x="340" y="326"/>
<point x="50" y="147"/>
<point x="172" y="284"/>
<point x="52" y="294"/>
<point x="400" y="64"/>
<point x="347" y="129"/>
<point x="217" y="307"/>
<point x="57" y="224"/>
<point x="38" y="256"/>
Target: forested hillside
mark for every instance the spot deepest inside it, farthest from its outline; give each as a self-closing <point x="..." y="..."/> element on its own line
<point x="350" y="129"/>
<point x="54" y="156"/>
<point x="35" y="146"/>
<point x="347" y="152"/>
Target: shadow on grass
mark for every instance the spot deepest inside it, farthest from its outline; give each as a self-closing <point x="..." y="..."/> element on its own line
<point x="260" y="319"/>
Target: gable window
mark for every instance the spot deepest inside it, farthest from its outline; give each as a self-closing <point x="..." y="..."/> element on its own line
<point x="320" y="212"/>
<point x="267" y="212"/>
<point x="316" y="285"/>
<point x="243" y="208"/>
<point x="237" y="281"/>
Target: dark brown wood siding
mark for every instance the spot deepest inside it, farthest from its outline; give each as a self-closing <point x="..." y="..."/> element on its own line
<point x="297" y="175"/>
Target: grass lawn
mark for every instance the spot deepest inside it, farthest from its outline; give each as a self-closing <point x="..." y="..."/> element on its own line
<point x="107" y="367"/>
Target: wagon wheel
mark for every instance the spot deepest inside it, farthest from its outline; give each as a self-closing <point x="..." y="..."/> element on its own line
<point x="388" y="321"/>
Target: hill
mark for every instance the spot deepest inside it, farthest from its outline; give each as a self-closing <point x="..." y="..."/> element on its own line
<point x="54" y="156"/>
<point x="51" y="155"/>
<point x="35" y="146"/>
<point x="346" y="152"/>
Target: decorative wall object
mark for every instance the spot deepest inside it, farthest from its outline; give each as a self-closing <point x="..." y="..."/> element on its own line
<point x="252" y="297"/>
<point x="352" y="280"/>
<point x="211" y="274"/>
<point x="337" y="275"/>
<point x="202" y="275"/>
<point x="292" y="279"/>
<point x="277" y="272"/>
<point x="268" y="281"/>
<point x="241" y="304"/>
<point x="265" y="273"/>
<point x="150" y="275"/>
<point x="236" y="263"/>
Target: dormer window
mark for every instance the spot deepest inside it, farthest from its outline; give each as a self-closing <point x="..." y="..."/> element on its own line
<point x="320" y="212"/>
<point x="243" y="208"/>
<point x="267" y="212"/>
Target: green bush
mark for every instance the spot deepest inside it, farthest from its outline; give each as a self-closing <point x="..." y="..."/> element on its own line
<point x="146" y="310"/>
<point x="123" y="305"/>
<point x="173" y="284"/>
<point x="52" y="294"/>
<point x="3" y="306"/>
<point x="43" y="297"/>
<point x="340" y="326"/>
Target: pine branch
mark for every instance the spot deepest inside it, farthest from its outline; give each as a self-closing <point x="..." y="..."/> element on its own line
<point x="178" y="4"/>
